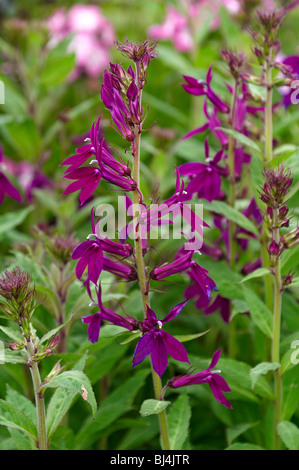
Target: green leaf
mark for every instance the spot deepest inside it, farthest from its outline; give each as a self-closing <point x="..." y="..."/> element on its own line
<point x="61" y="401"/>
<point x="289" y="434"/>
<point x="114" y="406"/>
<point x="178" y="422"/>
<point x="234" y="432"/>
<point x="237" y="374"/>
<point x="74" y="380"/>
<point x="12" y="357"/>
<point x="13" y="417"/>
<point x="242" y="139"/>
<point x="50" y="334"/>
<point x="12" y="333"/>
<point x="290" y="393"/>
<point x="244" y="446"/>
<point x="23" y="136"/>
<point x="57" y="66"/>
<point x="13" y="219"/>
<point x="262" y="369"/>
<point x="150" y="407"/>
<point x="184" y="338"/>
<point x="260" y="314"/>
<point x="260" y="272"/>
<point x="231" y="213"/>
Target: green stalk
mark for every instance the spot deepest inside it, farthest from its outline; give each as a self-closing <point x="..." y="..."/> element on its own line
<point x="276" y="336"/>
<point x="141" y="267"/>
<point x="232" y="202"/>
<point x="39" y="399"/>
<point x="268" y="158"/>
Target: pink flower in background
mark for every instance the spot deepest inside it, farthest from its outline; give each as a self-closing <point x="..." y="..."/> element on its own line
<point x="29" y="177"/>
<point x="93" y="35"/>
<point x="176" y="25"/>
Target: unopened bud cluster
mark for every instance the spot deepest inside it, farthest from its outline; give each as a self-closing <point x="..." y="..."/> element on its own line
<point x="274" y="195"/>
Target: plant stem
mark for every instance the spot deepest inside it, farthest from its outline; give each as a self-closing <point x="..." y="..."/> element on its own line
<point x="232" y="202"/>
<point x="268" y="158"/>
<point x="268" y="110"/>
<point x="140" y="264"/>
<point x="276" y="335"/>
<point x="39" y="399"/>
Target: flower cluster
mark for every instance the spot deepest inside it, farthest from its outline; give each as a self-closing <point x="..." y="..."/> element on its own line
<point x="274" y="195"/>
<point x="121" y="94"/>
<point x="107" y="167"/>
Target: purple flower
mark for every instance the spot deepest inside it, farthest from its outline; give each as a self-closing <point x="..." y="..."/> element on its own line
<point x="201" y="279"/>
<point x="221" y="304"/>
<point x="88" y="178"/>
<point x="158" y="343"/>
<point x="6" y="188"/>
<point x="213" y="124"/>
<point x="292" y="62"/>
<point x="216" y="382"/>
<point x="94" y="321"/>
<point x="168" y="269"/>
<point x="199" y="88"/>
<point x="90" y="254"/>
<point x="204" y="178"/>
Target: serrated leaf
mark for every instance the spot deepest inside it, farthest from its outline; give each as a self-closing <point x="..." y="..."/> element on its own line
<point x="61" y="401"/>
<point x="13" y="417"/>
<point x="12" y="333"/>
<point x="289" y="434"/>
<point x="74" y="380"/>
<point x="151" y="407"/>
<point x="114" y="406"/>
<point x="262" y="369"/>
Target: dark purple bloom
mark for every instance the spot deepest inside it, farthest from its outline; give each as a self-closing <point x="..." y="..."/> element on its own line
<point x="223" y="305"/>
<point x="152" y="216"/>
<point x="158" y="343"/>
<point x="292" y="62"/>
<point x="205" y="179"/>
<point x="179" y="265"/>
<point x="213" y="124"/>
<point x="88" y="178"/>
<point x="216" y="382"/>
<point x="199" y="88"/>
<point x="6" y="188"/>
<point x="89" y="254"/>
<point x="94" y="321"/>
<point x="201" y="279"/>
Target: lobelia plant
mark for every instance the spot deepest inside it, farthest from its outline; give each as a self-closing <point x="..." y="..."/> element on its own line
<point x="121" y="93"/>
<point x="241" y="129"/>
<point x="18" y="302"/>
